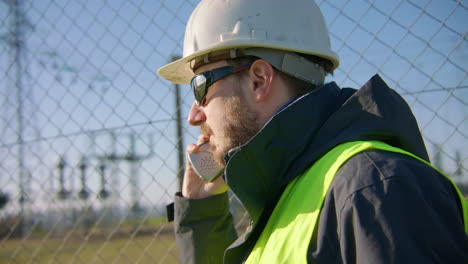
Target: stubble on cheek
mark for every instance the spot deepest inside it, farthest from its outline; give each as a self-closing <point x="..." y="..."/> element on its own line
<point x="239" y="127"/>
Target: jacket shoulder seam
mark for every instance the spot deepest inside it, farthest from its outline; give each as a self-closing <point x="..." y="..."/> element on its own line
<point x="382" y="179"/>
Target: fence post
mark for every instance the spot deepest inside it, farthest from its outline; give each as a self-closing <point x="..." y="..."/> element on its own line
<point x="179" y="139"/>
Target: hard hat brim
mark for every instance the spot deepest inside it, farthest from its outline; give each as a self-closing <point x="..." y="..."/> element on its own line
<point x="179" y="71"/>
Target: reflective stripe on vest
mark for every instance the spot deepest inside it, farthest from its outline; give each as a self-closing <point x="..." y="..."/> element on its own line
<point x="287" y="235"/>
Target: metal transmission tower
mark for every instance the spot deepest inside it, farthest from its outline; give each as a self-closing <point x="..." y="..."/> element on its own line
<point x="133" y="158"/>
<point x="15" y="39"/>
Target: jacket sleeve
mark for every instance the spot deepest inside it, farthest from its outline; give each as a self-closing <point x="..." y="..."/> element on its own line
<point x="204" y="228"/>
<point x="406" y="212"/>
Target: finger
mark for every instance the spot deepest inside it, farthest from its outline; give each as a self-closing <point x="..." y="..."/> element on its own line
<point x="192" y="148"/>
<point x="202" y="139"/>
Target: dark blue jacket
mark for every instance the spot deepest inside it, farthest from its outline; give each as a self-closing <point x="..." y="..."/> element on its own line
<point x="382" y="207"/>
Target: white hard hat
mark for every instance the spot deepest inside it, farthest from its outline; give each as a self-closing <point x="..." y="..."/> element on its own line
<point x="215" y="26"/>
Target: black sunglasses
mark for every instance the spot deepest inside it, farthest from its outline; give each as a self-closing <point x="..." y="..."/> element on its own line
<point x="202" y="81"/>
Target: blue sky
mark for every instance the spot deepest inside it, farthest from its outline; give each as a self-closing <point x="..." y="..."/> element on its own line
<point x="91" y="69"/>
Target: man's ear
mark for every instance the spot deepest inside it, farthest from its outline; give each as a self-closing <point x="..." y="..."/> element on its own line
<point x="262" y="74"/>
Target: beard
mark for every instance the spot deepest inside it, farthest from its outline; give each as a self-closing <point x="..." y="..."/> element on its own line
<point x="241" y="126"/>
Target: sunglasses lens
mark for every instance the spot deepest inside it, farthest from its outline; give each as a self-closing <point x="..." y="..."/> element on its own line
<point x="201" y="82"/>
<point x="199" y="87"/>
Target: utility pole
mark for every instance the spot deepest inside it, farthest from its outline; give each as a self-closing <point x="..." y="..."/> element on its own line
<point x="179" y="139"/>
<point x="103" y="193"/>
<point x="438" y="159"/>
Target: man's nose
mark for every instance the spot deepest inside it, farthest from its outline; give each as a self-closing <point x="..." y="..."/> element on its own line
<point x="196" y="115"/>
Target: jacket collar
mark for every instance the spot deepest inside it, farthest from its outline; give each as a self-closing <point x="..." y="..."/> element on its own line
<point x="258" y="171"/>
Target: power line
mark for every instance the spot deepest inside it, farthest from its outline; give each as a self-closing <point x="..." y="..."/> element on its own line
<point x="92" y="131"/>
<point x="451" y="89"/>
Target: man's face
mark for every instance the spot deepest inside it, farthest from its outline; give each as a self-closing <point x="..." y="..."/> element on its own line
<point x="226" y="116"/>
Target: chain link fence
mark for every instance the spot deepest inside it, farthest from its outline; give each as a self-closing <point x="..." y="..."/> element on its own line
<point x="90" y="136"/>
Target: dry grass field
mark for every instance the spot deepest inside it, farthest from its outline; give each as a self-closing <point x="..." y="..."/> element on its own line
<point x="148" y="247"/>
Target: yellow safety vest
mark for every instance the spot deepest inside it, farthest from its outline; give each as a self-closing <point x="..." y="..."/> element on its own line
<point x="289" y="229"/>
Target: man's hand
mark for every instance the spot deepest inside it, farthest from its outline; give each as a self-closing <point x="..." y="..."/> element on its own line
<point x="195" y="188"/>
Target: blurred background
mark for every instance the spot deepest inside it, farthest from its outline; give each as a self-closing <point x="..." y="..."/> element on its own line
<point x="92" y="140"/>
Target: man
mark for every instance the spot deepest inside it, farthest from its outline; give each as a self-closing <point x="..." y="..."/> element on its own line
<point x="327" y="175"/>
